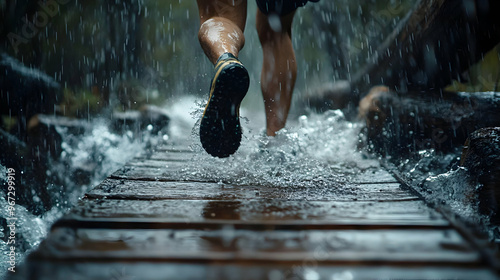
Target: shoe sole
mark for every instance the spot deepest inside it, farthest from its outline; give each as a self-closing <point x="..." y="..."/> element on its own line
<point x="220" y="129"/>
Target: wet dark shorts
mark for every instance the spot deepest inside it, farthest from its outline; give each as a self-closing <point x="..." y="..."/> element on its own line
<point x="281" y="7"/>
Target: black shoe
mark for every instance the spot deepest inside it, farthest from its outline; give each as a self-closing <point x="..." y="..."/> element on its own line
<point x="220" y="129"/>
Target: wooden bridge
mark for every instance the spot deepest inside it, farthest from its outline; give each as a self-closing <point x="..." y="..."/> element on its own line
<point x="148" y="221"/>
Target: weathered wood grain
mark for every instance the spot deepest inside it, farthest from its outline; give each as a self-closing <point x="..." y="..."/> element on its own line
<point x="105" y="270"/>
<point x="170" y="155"/>
<point x="263" y="214"/>
<point x="153" y="170"/>
<point x="280" y="246"/>
<point x="165" y="218"/>
<point x="147" y="190"/>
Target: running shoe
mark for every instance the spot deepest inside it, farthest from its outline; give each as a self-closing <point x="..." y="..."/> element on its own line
<point x="220" y="129"/>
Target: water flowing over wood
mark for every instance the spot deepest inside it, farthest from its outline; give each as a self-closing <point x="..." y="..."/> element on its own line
<point x="150" y="221"/>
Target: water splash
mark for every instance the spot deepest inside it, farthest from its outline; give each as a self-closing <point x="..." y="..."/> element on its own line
<point x="452" y="188"/>
<point x="440" y="180"/>
<point x="318" y="150"/>
<point x="96" y="154"/>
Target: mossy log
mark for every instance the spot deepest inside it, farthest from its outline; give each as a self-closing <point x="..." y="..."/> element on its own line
<point x="398" y="125"/>
<point x="31" y="157"/>
<point x="137" y="121"/>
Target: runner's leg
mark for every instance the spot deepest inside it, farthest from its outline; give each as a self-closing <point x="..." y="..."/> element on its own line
<point x="279" y="69"/>
<point x="222" y="23"/>
<point x="221" y="36"/>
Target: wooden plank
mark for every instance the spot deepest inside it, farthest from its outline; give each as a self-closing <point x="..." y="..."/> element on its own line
<point x="170" y="165"/>
<point x="230" y="245"/>
<point x="173" y="147"/>
<point x="371" y="176"/>
<point x="307" y="269"/>
<point x="146" y="173"/>
<point x="170" y="155"/>
<point x="262" y="214"/>
<point x="142" y="224"/>
<point x="152" y="170"/>
<point x="196" y="165"/>
<point x="151" y="190"/>
<point x="158" y="159"/>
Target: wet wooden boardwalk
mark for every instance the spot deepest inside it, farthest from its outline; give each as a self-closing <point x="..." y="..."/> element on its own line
<point x="147" y="222"/>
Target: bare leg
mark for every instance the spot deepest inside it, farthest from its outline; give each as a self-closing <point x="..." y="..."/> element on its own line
<point x="222" y="23"/>
<point x="279" y="70"/>
<point x="221" y="31"/>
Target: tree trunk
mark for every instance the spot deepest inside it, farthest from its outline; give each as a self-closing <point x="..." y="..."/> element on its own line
<point x="437" y="42"/>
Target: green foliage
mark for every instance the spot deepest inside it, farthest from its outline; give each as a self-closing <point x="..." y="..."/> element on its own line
<point x="8" y="122"/>
<point x="80" y="104"/>
<point x="483" y="76"/>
